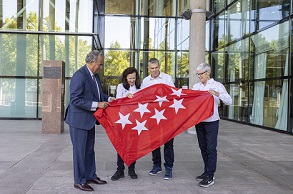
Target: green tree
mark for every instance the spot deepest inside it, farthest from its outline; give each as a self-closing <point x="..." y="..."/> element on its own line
<point x="116" y="61"/>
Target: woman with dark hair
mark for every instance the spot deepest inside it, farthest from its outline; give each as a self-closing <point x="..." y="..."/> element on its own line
<point x="130" y="84"/>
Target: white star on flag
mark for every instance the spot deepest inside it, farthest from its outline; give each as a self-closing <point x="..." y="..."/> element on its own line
<point x="140" y="126"/>
<point x="123" y="120"/>
<point x="142" y="108"/>
<point x="177" y="104"/>
<point x="177" y="92"/>
<point x="159" y="115"/>
<point x="161" y="100"/>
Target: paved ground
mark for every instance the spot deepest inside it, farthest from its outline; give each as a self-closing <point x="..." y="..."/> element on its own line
<point x="250" y="160"/>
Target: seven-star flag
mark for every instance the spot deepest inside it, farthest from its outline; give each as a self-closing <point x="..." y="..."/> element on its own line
<point x="136" y="126"/>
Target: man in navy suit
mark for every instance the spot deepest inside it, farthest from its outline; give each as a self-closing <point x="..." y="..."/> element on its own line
<point x="86" y="96"/>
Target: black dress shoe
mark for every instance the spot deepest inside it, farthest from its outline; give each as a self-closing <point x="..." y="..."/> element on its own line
<point x="83" y="187"/>
<point x="132" y="174"/>
<point x="97" y="181"/>
<point x="118" y="174"/>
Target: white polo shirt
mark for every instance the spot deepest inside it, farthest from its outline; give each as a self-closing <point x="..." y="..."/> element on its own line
<point x="163" y="78"/>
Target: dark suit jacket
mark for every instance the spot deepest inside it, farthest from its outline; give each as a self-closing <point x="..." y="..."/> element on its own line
<point x="82" y="94"/>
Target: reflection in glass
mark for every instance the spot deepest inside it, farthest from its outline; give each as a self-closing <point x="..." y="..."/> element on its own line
<point x="274" y="42"/>
<point x="163" y="31"/>
<point x="18" y="98"/>
<point x="155" y="33"/>
<point x="71" y="49"/>
<point x="183" y="34"/>
<point x="55" y="15"/>
<point x="19" y="14"/>
<point x="158" y="7"/>
<point x="219" y="5"/>
<point x="237" y="59"/>
<point x="218" y="59"/>
<point x="219" y="36"/>
<point x="182" y="69"/>
<point x="183" y="5"/>
<point x="268" y="12"/>
<point x="282" y="100"/>
<point x="238" y="20"/>
<point x="271" y="96"/>
<point x="239" y="108"/>
<point x="19" y="55"/>
<point x="158" y="33"/>
<point x="64" y="16"/>
<point x="128" y="7"/>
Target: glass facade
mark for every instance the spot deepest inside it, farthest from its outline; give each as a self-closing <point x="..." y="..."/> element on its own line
<point x="135" y="31"/>
<point x="251" y="55"/>
<point x="248" y="44"/>
<point x="32" y="31"/>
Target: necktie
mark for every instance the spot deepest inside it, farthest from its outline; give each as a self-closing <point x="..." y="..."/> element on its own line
<point x="96" y="84"/>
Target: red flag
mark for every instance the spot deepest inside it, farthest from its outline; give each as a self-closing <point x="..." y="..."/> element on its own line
<point x="156" y="114"/>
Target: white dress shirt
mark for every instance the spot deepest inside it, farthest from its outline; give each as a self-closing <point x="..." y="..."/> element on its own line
<point x="163" y="78"/>
<point x="224" y="96"/>
<point x="122" y="92"/>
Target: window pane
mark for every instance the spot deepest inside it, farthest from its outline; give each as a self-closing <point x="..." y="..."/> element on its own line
<point x="183" y="34"/>
<point x="182" y="69"/>
<point x="219" y="38"/>
<point x="266" y="107"/>
<point x="159" y="35"/>
<point x="270" y="49"/>
<point x="19" y="55"/>
<point x="218" y="65"/>
<point x="128" y="7"/>
<point x="237" y="59"/>
<point x="268" y="12"/>
<point x="219" y="5"/>
<point x="239" y="108"/>
<point x="19" y="14"/>
<point x="158" y="7"/>
<point x="183" y="5"/>
<point x="207" y="36"/>
<point x="272" y="92"/>
<point x="64" y="16"/>
<point x="117" y="30"/>
<point x="18" y="98"/>
<point x="70" y="49"/>
<point x="116" y="61"/>
<point x="167" y="62"/>
<point x="238" y="20"/>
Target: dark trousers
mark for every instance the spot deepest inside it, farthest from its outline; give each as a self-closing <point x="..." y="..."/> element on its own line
<point x="207" y="135"/>
<point x="84" y="164"/>
<point x="168" y="155"/>
<point x="120" y="164"/>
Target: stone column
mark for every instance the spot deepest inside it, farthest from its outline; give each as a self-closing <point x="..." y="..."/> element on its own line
<point x="53" y="96"/>
<point x="196" y="41"/>
<point x="197" y="38"/>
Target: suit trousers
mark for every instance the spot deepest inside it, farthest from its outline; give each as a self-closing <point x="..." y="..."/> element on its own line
<point x="168" y="155"/>
<point x="120" y="164"/>
<point x="84" y="163"/>
<point x="207" y="136"/>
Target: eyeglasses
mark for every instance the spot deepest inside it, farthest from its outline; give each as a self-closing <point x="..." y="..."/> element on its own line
<point x="199" y="74"/>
